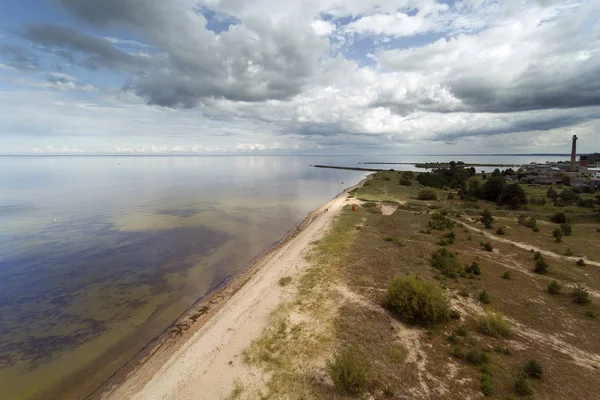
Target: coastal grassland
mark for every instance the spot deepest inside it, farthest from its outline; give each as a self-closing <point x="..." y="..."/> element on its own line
<point x="340" y="306"/>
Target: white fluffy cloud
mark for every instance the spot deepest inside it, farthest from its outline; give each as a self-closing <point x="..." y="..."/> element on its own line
<point x="378" y="74"/>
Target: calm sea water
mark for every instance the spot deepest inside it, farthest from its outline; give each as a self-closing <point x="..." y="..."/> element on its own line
<point x="98" y="255"/>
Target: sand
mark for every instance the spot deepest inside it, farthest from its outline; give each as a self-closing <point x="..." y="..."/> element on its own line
<point x="207" y="362"/>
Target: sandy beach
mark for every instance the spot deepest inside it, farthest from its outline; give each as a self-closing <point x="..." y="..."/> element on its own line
<point x="202" y="356"/>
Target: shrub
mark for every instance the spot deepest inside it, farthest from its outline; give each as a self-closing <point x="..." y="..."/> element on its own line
<point x="405" y="180"/>
<point x="568" y="252"/>
<point x="417" y="301"/>
<point x="388" y="392"/>
<point x="487" y="387"/>
<point x="445" y="261"/>
<point x="566" y="229"/>
<point x="580" y="263"/>
<point x="506" y="275"/>
<point x="558" y="234"/>
<point x="474" y="269"/>
<point x="487" y="246"/>
<point x="591" y="314"/>
<point x="454" y="314"/>
<point x="500" y="231"/>
<point x="349" y="371"/>
<point x="484" y="297"/>
<point x="452" y="338"/>
<point x="533" y="369"/>
<point x="439" y="221"/>
<point x="427" y="194"/>
<point x="487" y="219"/>
<point x="462" y="330"/>
<point x="285" y="281"/>
<point x="513" y="196"/>
<point x="522" y="385"/>
<point x="580" y="294"/>
<point x="535" y="229"/>
<point x="554" y="287"/>
<point x="559" y="218"/>
<point x="552" y="193"/>
<point x="537" y="255"/>
<point x="458" y="353"/>
<point x="530" y="222"/>
<point x="477" y="358"/>
<point x="464" y="292"/>
<point x="493" y="324"/>
<point x="541" y="267"/>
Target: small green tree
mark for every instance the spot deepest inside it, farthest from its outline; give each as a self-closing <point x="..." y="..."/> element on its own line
<point x="541" y="267"/>
<point x="566" y="229"/>
<point x="533" y="369"/>
<point x="487" y="219"/>
<point x="427" y="194"/>
<point x="559" y="218"/>
<point x="558" y="234"/>
<point x="484" y="297"/>
<point x="581" y="295"/>
<point x="554" y="287"/>
<point x="522" y="385"/>
<point x="580" y="263"/>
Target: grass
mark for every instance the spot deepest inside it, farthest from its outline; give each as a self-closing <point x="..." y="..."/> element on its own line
<point x="349" y="371"/>
<point x="417" y="301"/>
<point x="494" y="324"/>
<point x="286" y="280"/>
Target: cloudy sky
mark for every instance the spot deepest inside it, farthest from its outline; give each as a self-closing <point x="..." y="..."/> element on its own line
<point x="299" y="76"/>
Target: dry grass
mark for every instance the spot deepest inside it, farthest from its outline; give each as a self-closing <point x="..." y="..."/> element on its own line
<point x="343" y="292"/>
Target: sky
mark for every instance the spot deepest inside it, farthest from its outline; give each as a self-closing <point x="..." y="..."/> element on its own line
<point x="299" y="76"/>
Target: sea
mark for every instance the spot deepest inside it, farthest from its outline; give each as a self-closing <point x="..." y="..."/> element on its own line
<point x="100" y="254"/>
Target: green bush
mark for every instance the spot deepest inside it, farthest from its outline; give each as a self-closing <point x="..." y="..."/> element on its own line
<point x="484" y="297"/>
<point x="487" y="387"/>
<point x="500" y="231"/>
<point x="462" y="330"/>
<point x="477" y="358"/>
<point x="533" y="369"/>
<point x="439" y="221"/>
<point x="452" y="338"/>
<point x="522" y="385"/>
<point x="487" y="246"/>
<point x="581" y="295"/>
<point x="493" y="324"/>
<point x="541" y="267"/>
<point x="474" y="269"/>
<point x="559" y="218"/>
<point x="554" y="287"/>
<point x="454" y="314"/>
<point x="537" y="255"/>
<point x="487" y="219"/>
<point x="417" y="301"/>
<point x="558" y="234"/>
<point x="405" y="180"/>
<point x="506" y="275"/>
<point x="350" y="371"/>
<point x="285" y="281"/>
<point x="445" y="261"/>
<point x="566" y="229"/>
<point x="580" y="263"/>
<point x="427" y="194"/>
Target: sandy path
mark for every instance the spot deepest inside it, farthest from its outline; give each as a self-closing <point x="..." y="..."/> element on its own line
<point x="524" y="246"/>
<point x="209" y="364"/>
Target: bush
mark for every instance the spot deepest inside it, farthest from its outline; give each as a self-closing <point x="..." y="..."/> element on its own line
<point x="439" y="221"/>
<point x="493" y="324"/>
<point x="535" y="229"/>
<point x="454" y="314"/>
<point x="462" y="330"/>
<point x="530" y="222"/>
<point x="417" y="301"/>
<point x="559" y="218"/>
<point x="487" y="387"/>
<point x="541" y="267"/>
<point x="487" y="218"/>
<point x="487" y="246"/>
<point x="477" y="358"/>
<point x="506" y="275"/>
<point x="566" y="229"/>
<point x="580" y="263"/>
<point x="473" y="269"/>
<point x="500" y="231"/>
<point x="568" y="252"/>
<point x="557" y="233"/>
<point x="522" y="385"/>
<point x="445" y="261"/>
<point x="513" y="196"/>
<point x="350" y="371"/>
<point x="554" y="287"/>
<point x="552" y="193"/>
<point x="484" y="297"/>
<point x="285" y="281"/>
<point x="405" y="180"/>
<point x="427" y="194"/>
<point x="581" y="295"/>
<point x="533" y="369"/>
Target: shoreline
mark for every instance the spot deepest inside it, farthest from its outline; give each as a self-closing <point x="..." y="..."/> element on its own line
<point x="141" y="369"/>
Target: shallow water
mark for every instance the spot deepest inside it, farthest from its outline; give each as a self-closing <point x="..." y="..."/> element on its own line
<point x="98" y="255"/>
<point x="94" y="250"/>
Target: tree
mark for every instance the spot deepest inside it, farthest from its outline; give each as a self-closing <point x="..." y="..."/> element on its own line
<point x="493" y="188"/>
<point x="551" y="193"/>
<point x="566" y="179"/>
<point x="513" y="196"/>
<point x="487" y="218"/>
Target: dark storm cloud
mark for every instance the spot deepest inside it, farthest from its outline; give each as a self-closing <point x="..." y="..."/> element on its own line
<point x="99" y="53"/>
<point x="252" y="62"/>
